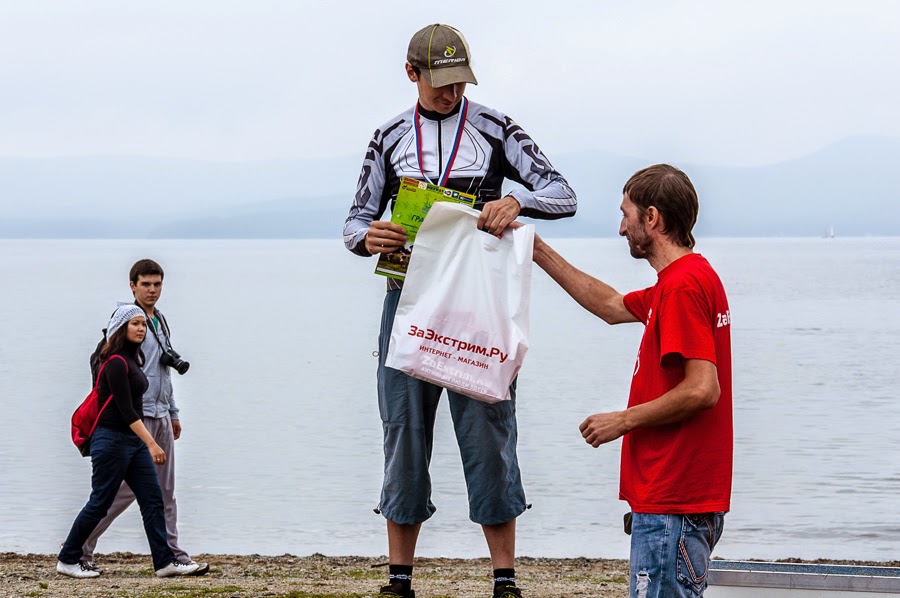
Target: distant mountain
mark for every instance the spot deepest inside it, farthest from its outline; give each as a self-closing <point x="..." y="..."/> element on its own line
<point x="288" y="218"/>
<point x="849" y="185"/>
<point x="136" y="196"/>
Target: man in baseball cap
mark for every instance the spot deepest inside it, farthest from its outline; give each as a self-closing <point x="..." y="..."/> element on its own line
<point x="446" y="140"/>
<point x="441" y="53"/>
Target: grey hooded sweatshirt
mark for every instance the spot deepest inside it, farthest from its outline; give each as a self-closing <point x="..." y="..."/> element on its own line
<point x="159" y="399"/>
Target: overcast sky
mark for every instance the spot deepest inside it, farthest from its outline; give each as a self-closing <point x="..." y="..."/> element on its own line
<point x="698" y="80"/>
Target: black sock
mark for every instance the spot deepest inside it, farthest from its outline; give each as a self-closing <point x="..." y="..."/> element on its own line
<point x="401" y="574"/>
<point x="504" y="577"/>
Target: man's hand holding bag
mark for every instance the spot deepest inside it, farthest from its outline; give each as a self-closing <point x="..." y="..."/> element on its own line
<point x="463" y="317"/>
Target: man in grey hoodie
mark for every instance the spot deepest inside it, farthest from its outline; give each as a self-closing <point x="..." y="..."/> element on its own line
<point x="160" y="412"/>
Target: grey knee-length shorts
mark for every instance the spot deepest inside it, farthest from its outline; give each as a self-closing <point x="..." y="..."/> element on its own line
<point x="486" y="434"/>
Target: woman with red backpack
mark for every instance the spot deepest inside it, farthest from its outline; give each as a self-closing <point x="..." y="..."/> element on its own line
<point x="122" y="450"/>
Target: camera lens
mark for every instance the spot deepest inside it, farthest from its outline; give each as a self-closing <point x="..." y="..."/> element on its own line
<point x="174" y="360"/>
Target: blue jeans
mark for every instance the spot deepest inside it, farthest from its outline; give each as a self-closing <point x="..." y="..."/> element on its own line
<point x="670" y="553"/>
<point x="486" y="434"/>
<point x="118" y="456"/>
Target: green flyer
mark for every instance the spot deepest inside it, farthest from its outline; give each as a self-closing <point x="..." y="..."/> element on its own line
<point x="414" y="199"/>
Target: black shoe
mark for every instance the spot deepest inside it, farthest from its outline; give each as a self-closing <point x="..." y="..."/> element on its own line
<point x="203" y="570"/>
<point x="507" y="592"/>
<point x="396" y="590"/>
<point x="90" y="566"/>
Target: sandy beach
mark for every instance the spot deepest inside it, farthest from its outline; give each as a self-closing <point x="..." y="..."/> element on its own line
<point x="319" y="576"/>
<point x="287" y="576"/>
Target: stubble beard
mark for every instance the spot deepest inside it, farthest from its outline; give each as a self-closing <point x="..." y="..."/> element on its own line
<point x="639" y="244"/>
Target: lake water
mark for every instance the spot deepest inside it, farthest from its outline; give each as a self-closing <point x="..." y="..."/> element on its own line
<point x="281" y="450"/>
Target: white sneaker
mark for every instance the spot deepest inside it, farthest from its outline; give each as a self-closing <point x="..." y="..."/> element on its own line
<point x="78" y="570"/>
<point x="175" y="568"/>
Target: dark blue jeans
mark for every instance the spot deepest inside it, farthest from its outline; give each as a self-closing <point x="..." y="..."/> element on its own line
<point x="118" y="456"/>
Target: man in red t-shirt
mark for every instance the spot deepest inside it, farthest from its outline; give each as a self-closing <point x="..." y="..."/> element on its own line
<point x="678" y="433"/>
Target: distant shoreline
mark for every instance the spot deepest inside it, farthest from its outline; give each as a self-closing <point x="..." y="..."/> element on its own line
<point x="322" y="576"/>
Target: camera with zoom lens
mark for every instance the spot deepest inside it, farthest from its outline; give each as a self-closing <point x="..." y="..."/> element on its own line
<point x="172" y="359"/>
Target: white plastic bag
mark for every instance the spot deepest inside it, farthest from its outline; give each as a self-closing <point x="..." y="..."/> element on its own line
<point x="462" y="320"/>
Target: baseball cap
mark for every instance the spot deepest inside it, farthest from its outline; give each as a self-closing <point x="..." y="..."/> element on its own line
<point x="441" y="53"/>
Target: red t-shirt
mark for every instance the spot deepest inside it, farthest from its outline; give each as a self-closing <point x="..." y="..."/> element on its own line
<point x="684" y="467"/>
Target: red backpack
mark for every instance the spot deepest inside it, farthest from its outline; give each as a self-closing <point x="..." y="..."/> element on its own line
<point x="85" y="418"/>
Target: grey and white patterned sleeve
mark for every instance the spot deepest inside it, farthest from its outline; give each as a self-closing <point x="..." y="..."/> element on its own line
<point x="547" y="195"/>
<point x="367" y="204"/>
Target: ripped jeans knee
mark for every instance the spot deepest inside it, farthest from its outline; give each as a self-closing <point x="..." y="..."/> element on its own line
<point x="642" y="584"/>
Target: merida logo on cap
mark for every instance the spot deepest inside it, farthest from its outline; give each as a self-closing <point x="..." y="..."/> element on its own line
<point x="448" y="61"/>
<point x="449" y="51"/>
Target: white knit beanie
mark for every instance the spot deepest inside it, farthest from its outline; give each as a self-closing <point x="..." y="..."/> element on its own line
<point x="122" y="315"/>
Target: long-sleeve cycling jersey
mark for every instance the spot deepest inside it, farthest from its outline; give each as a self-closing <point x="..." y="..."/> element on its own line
<point x="492" y="148"/>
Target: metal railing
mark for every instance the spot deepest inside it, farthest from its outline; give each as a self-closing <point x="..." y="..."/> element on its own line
<point x="789" y="579"/>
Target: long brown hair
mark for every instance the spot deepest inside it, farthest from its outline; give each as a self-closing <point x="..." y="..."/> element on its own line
<point x="116" y="343"/>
